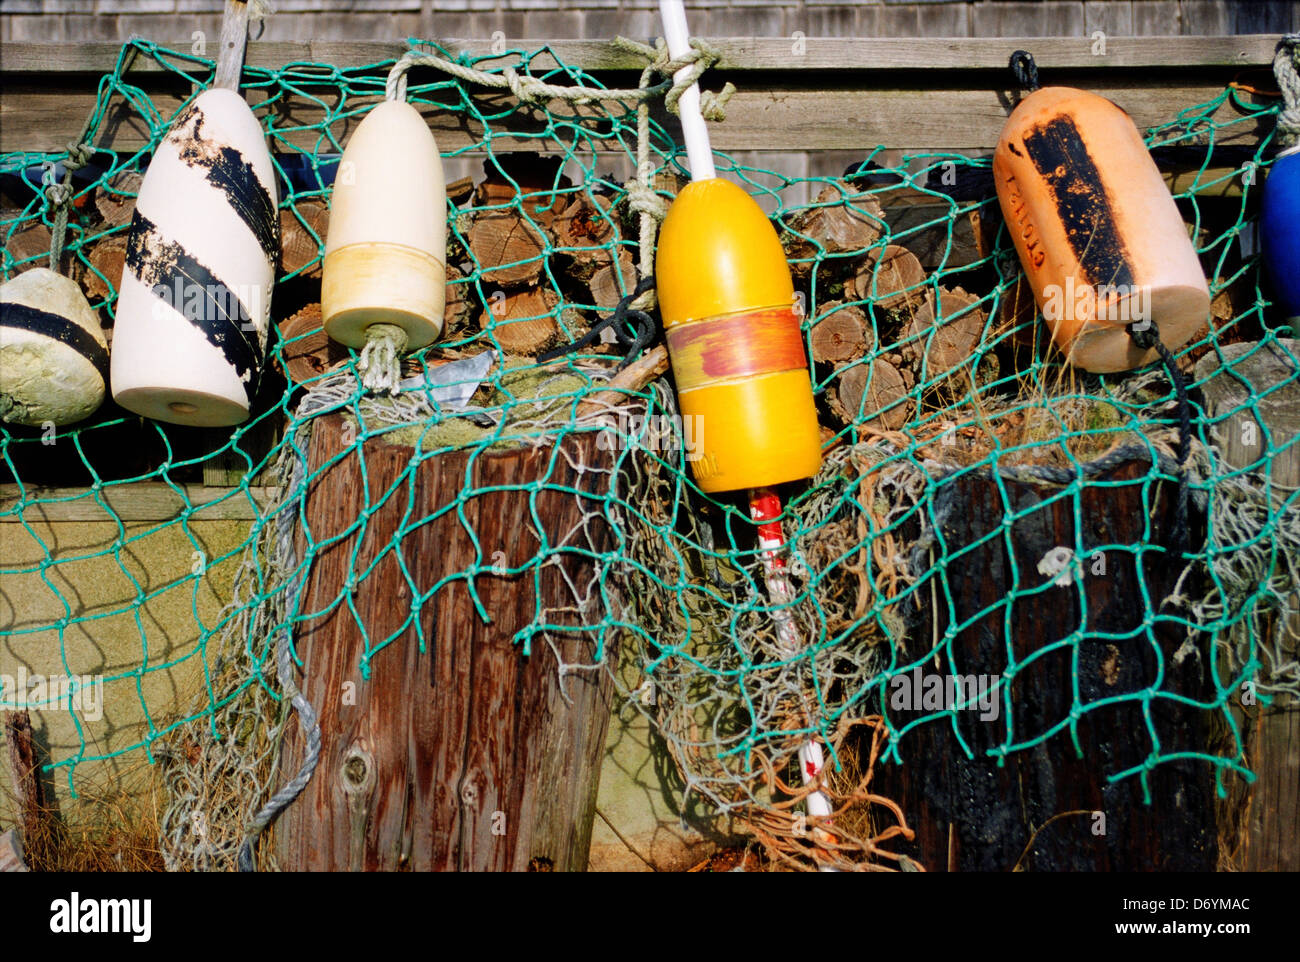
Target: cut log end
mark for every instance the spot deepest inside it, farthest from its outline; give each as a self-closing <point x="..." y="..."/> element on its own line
<point x="107" y="259"/>
<point x="307" y="351"/>
<point x="612" y="281"/>
<point x="845" y="221"/>
<point x="115" y="201"/>
<point x="843" y="334"/>
<point x="874" y="396"/>
<point x="507" y="247"/>
<point x="521" y="321"/>
<point x="942" y="338"/>
<point x="892" y="279"/>
<point x="303" y="229"/>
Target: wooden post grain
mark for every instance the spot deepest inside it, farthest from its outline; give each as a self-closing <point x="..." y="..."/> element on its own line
<point x="1272" y="830"/>
<point x="234" y="39"/>
<point x="37" y="816"/>
<point x="1039" y="811"/>
<point x="468" y="756"/>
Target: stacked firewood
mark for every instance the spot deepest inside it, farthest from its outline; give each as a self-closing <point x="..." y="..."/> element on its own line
<point x="531" y="262"/>
<point x="887" y="326"/>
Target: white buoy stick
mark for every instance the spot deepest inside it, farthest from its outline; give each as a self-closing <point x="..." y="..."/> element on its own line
<point x="698" y="152"/>
<point x="765" y="511"/>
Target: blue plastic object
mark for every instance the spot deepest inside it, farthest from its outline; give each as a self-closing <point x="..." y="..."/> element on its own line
<point x="1279" y="226"/>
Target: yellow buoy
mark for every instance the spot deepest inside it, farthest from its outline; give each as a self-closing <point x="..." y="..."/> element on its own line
<point x="733" y="337"/>
<point x="1098" y="234"/>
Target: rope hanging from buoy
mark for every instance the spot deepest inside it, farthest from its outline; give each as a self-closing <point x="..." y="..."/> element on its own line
<point x="58" y="195"/>
<point x="1147" y="336"/>
<point x="380" y="364"/>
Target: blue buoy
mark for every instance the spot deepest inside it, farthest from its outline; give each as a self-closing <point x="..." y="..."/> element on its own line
<point x="1280" y="232"/>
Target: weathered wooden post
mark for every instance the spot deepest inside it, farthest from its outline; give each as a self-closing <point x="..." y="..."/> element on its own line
<point x="41" y="829"/>
<point x="1039" y="811"/>
<point x="1263" y="379"/>
<point x="469" y="755"/>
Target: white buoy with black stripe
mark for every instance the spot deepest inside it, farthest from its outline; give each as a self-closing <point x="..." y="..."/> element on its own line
<point x="53" y="354"/>
<point x="195" y="300"/>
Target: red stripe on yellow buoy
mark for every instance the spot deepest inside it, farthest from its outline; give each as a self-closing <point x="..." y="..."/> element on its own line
<point x="737" y="345"/>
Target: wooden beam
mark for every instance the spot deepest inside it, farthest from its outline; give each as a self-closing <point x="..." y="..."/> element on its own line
<point x="760" y="116"/>
<point x="838" y="54"/>
<point x="836" y="94"/>
<point x="137" y="501"/>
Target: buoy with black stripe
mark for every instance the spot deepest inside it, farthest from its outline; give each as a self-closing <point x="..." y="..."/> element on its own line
<point x="384" y="276"/>
<point x="53" y="353"/>
<point x="1098" y="233"/>
<point x="195" y="299"/>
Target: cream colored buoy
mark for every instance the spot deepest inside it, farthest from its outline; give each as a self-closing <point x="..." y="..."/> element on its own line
<point x="53" y="354"/>
<point x="1099" y="236"/>
<point x="384" y="276"/>
<point x="195" y="299"/>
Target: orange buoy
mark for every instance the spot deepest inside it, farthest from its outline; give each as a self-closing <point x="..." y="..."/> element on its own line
<point x="737" y="353"/>
<point x="1098" y="233"/>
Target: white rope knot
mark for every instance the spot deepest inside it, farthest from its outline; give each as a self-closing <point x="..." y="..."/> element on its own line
<point x="1286" y="68"/>
<point x="380" y="363"/>
<point x="528" y="90"/>
<point x="702" y="56"/>
<point x="643" y="199"/>
<point x="713" y="105"/>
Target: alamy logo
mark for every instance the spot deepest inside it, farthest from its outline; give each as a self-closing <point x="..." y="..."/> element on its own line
<point x="655" y="432"/>
<point x="75" y="915"/>
<point x="83" y="694"/>
<point x="922" y="691"/>
<point x="1118" y="303"/>
<point x="210" y="303"/>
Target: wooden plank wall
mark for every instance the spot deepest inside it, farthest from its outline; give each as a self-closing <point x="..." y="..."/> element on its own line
<point x="88" y="20"/>
<point x="834" y="94"/>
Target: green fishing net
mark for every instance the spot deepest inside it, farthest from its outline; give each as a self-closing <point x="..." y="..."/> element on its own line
<point x="952" y="528"/>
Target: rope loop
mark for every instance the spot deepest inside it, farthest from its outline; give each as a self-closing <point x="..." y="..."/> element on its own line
<point x="1286" y="68"/>
<point x="58" y="195"/>
<point x="1025" y="70"/>
<point x="703" y="55"/>
<point x="528" y="89"/>
<point x="644" y="199"/>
